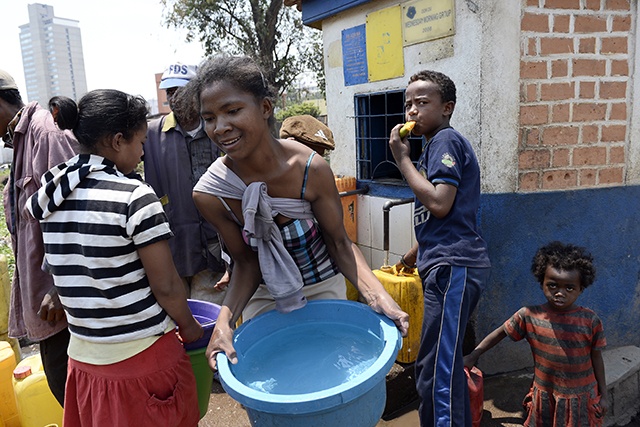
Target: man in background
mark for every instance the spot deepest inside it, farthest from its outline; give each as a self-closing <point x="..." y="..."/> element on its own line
<point x="176" y="154"/>
<point x="35" y="311"/>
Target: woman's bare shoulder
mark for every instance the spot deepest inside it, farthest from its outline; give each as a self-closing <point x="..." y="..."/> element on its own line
<point x="295" y="148"/>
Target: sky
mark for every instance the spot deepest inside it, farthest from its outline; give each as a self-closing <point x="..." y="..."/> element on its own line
<point x="124" y="42"/>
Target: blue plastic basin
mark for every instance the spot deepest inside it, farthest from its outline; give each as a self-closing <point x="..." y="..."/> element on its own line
<point x="322" y="365"/>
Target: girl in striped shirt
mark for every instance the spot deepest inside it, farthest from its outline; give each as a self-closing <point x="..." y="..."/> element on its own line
<point x="105" y="238"/>
<point x="566" y="340"/>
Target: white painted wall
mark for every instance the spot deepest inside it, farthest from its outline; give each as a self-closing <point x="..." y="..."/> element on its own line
<point x="483" y="60"/>
<point x="370" y="230"/>
<point x="633" y="147"/>
<point x="500" y="99"/>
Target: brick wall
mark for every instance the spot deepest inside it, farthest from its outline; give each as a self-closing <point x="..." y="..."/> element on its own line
<point x="574" y="90"/>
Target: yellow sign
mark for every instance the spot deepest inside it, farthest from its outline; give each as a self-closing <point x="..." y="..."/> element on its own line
<point x="424" y="20"/>
<point x="385" y="58"/>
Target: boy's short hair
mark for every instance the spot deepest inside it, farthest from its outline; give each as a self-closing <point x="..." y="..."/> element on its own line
<point x="446" y="85"/>
<point x="564" y="257"/>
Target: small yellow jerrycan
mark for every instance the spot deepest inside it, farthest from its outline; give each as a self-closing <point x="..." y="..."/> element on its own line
<point x="37" y="406"/>
<point x="405" y="288"/>
<point x="8" y="409"/>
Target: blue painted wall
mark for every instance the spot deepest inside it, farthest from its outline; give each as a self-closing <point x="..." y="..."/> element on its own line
<point x="606" y="221"/>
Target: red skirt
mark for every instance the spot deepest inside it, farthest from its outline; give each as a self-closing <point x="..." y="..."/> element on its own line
<point x="156" y="387"/>
<point x="544" y="409"/>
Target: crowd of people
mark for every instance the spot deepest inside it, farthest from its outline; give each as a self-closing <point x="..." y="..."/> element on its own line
<point x="106" y="259"/>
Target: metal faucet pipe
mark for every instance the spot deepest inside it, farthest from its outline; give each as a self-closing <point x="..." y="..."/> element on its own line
<point x="386" y="208"/>
<point x="363" y="190"/>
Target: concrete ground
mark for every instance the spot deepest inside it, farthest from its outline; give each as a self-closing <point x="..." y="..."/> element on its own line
<point x="502" y="406"/>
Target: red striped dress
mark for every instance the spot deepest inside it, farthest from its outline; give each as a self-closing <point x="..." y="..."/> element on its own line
<point x="564" y="389"/>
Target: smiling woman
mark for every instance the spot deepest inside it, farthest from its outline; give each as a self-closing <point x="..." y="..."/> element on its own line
<point x="275" y="206"/>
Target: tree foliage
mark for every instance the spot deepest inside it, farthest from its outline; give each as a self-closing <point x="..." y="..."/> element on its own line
<point x="298" y="110"/>
<point x="5" y="237"/>
<point x="265" y="30"/>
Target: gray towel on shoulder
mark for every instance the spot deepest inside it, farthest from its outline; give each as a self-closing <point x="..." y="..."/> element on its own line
<point x="279" y="270"/>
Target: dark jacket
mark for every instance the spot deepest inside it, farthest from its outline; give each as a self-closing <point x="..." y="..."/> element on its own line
<point x="38" y="145"/>
<point x="167" y="168"/>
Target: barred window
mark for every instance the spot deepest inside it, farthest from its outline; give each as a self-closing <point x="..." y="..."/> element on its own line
<point x="375" y="115"/>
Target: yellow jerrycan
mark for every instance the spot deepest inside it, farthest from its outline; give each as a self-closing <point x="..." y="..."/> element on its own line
<point x="406" y="289"/>
<point x="15" y="346"/>
<point x="36" y="405"/>
<point x="8" y="409"/>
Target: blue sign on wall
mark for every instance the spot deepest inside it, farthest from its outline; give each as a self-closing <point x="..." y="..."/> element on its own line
<point x="354" y="55"/>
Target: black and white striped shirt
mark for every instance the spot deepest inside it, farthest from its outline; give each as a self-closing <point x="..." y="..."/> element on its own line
<point x="93" y="219"/>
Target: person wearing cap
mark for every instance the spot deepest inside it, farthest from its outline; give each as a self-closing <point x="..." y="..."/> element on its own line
<point x="176" y="154"/>
<point x="35" y="311"/>
<point x="309" y="131"/>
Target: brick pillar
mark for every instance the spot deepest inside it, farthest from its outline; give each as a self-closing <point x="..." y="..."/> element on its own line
<point x="574" y="93"/>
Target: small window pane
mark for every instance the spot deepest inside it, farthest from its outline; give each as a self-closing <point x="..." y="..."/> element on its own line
<point x="376" y="115"/>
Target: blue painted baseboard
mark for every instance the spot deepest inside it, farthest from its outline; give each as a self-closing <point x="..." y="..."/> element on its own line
<point x="606" y="221"/>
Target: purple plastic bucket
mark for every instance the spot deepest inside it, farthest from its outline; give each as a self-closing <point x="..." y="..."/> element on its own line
<point x="206" y="313"/>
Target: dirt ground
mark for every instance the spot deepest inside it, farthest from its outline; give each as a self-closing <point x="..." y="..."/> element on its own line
<point x="502" y="401"/>
<point x="502" y="406"/>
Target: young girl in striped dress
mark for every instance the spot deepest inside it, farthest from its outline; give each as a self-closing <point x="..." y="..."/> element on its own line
<point x="566" y="340"/>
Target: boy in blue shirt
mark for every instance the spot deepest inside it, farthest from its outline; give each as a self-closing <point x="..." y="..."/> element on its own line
<point x="451" y="257"/>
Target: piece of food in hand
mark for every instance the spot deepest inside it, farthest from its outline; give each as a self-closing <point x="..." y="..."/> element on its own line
<point x="406" y="128"/>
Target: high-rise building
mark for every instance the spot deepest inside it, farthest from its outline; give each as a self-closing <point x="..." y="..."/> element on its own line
<point x="52" y="56"/>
